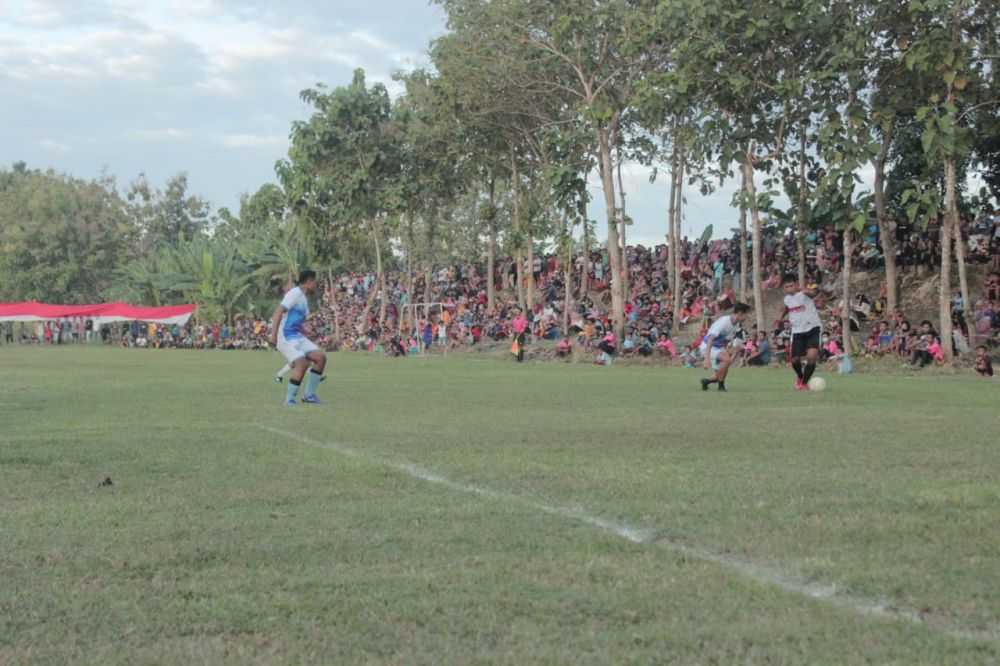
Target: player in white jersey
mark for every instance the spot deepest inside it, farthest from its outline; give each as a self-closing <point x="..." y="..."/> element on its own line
<point x="288" y="335"/>
<point x="806" y="328"/>
<point x="713" y="345"/>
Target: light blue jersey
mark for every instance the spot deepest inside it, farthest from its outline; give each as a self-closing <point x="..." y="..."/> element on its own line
<point x="294" y="320"/>
<point x="722" y="331"/>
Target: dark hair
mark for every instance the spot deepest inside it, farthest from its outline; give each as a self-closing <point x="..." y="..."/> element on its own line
<point x="740" y="308"/>
<point x="306" y="275"/>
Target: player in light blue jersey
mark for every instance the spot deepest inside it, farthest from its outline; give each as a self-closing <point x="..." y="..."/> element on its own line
<point x="288" y="335"/>
<point x="713" y="347"/>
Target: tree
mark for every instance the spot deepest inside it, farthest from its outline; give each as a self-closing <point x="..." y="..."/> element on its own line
<point x="167" y="216"/>
<point x="749" y="59"/>
<point x="60" y="237"/>
<point x="947" y="57"/>
<point x="587" y="51"/>
<point x="342" y="166"/>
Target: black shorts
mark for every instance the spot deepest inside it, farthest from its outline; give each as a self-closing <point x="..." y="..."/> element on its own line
<point x="803" y="341"/>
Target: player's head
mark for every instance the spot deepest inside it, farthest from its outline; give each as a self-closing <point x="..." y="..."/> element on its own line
<point x="740" y="311"/>
<point x="307" y="281"/>
<point x="791" y="283"/>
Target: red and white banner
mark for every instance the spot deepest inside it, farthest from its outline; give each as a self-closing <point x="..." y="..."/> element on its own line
<point x="101" y="313"/>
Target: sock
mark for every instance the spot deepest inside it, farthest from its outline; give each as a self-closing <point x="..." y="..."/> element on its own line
<point x="312" y="382"/>
<point x="712" y="381"/>
<point x="293" y="389"/>
<point x="808" y="373"/>
<point x="284" y="370"/>
<point x="797" y="365"/>
<point x="722" y="386"/>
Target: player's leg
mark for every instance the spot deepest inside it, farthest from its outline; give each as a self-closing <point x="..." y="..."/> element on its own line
<point x="291" y="350"/>
<point x="317" y="358"/>
<point x="720" y="361"/>
<point x="280" y="374"/>
<point x="724" y="361"/>
<point x="796" y="359"/>
<point x="299" y="369"/>
<point x="811" y="343"/>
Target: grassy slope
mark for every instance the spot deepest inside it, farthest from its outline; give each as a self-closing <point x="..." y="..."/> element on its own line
<point x="221" y="541"/>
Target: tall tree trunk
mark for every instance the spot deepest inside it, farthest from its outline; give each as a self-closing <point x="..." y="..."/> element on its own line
<point x="380" y="277"/>
<point x="678" y="201"/>
<point x="800" y="214"/>
<point x="886" y="226"/>
<point x="529" y="291"/>
<point x="332" y="301"/>
<point x="947" y="230"/>
<point x="584" y="272"/>
<point x="758" y="287"/>
<point x="370" y="300"/>
<point x="409" y="311"/>
<point x="491" y="290"/>
<point x="568" y="273"/>
<point x="621" y="197"/>
<point x="607" y="180"/>
<point x="429" y="261"/>
<point x="963" y="276"/>
<point x="671" y="238"/>
<point x="744" y="259"/>
<point x="845" y="311"/>
<point x="515" y="196"/>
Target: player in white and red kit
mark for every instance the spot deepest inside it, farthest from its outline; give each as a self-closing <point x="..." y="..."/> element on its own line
<point x="806" y="328"/>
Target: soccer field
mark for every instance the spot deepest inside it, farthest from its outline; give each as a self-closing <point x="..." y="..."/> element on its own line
<point x="459" y="510"/>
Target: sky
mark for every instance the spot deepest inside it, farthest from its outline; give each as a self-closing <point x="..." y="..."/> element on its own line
<point x="211" y="88"/>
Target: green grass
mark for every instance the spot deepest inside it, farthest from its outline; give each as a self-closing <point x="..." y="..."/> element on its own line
<point x="223" y="542"/>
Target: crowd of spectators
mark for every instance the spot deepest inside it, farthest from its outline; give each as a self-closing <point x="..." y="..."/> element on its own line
<point x="447" y="307"/>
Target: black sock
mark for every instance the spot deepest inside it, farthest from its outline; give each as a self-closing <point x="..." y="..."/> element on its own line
<point x="797" y="366"/>
<point x="808" y="373"/>
<point x="295" y="382"/>
<point x="722" y="386"/>
<point x="711" y="381"/>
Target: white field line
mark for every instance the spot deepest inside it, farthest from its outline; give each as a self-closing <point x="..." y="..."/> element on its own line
<point x="760" y="573"/>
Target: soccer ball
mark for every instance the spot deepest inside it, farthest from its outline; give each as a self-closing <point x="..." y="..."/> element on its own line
<point x="817" y="384"/>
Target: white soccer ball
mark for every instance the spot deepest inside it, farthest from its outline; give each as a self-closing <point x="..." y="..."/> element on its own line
<point x="817" y="384"/>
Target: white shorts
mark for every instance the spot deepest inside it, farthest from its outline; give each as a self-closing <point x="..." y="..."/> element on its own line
<point x="293" y="350"/>
<point x="715" y="355"/>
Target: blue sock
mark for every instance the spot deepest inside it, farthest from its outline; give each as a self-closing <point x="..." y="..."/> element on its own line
<point x="293" y="389"/>
<point x="312" y="382"/>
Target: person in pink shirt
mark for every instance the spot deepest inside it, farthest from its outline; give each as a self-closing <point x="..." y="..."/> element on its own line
<point x="666" y="345"/>
<point x="519" y="325"/>
<point x="606" y="349"/>
<point x="934" y="349"/>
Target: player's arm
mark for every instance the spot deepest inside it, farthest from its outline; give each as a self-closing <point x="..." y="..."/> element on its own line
<point x="275" y="323"/>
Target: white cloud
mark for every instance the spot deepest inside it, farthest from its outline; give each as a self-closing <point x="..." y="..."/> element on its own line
<point x="139" y="82"/>
<point x="371" y="41"/>
<point x="251" y="141"/>
<point x="54" y="146"/>
<point x="165" y="134"/>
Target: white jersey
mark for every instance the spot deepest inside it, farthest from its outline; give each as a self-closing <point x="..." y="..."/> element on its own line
<point x="802" y="312"/>
<point x="293" y="322"/>
<point x="722" y="331"/>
